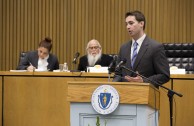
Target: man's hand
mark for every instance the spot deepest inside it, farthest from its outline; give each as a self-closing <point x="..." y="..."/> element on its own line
<point x="134" y="79"/>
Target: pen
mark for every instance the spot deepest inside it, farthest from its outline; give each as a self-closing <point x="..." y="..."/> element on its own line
<point x="31" y="65"/>
<point x="29" y="62"/>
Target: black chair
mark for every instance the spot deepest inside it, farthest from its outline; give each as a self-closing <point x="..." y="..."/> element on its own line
<point x="180" y="55"/>
<point x="22" y="55"/>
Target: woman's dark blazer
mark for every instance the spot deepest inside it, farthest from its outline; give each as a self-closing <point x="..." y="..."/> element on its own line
<point x="32" y="58"/>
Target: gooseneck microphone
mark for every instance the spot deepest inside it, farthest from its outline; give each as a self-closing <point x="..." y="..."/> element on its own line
<point x="112" y="64"/>
<point x="75" y="57"/>
<point x="123" y="61"/>
<point x="118" y="68"/>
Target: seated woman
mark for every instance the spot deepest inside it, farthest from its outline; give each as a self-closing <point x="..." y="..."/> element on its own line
<point x="41" y="59"/>
<point x="94" y="56"/>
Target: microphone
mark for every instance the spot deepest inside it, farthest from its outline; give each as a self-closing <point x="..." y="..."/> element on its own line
<point x="123" y="61"/>
<point x="117" y="69"/>
<point x="112" y="64"/>
<point x="115" y="57"/>
<point x="75" y="57"/>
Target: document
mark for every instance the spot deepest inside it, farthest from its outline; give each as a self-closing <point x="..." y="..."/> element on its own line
<point x="18" y="70"/>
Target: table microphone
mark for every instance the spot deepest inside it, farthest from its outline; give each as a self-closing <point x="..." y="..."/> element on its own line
<point x="75" y="57"/>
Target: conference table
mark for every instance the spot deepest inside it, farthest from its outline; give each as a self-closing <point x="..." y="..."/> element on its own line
<point x="40" y="98"/>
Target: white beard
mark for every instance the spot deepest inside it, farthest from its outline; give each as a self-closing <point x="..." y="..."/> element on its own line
<point x="93" y="59"/>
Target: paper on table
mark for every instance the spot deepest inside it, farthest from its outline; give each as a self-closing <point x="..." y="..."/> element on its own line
<point x="18" y="70"/>
<point x="40" y="70"/>
<point x="56" y="70"/>
<point x="97" y="69"/>
<point x="176" y="70"/>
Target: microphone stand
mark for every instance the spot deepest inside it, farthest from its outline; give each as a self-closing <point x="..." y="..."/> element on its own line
<point x="170" y="92"/>
<point x="110" y="68"/>
<point x="74" y="67"/>
<point x="74" y="64"/>
<point x="109" y="73"/>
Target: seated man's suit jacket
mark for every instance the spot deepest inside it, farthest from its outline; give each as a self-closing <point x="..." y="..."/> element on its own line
<point x="105" y="60"/>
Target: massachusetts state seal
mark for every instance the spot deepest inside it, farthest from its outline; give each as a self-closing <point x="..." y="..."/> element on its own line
<point x="105" y="99"/>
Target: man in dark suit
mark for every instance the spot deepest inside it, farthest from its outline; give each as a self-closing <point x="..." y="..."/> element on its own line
<point x="94" y="56"/>
<point x="144" y="55"/>
<point x="41" y="59"/>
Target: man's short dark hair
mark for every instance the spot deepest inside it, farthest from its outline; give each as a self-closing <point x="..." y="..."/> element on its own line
<point x="139" y="16"/>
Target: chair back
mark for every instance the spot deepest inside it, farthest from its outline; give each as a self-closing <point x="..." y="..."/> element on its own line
<point x="22" y="55"/>
<point x="180" y="55"/>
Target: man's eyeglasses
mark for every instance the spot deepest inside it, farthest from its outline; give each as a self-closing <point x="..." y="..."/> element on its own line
<point x="94" y="47"/>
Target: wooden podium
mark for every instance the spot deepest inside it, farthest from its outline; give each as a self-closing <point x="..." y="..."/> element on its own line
<point x="139" y="104"/>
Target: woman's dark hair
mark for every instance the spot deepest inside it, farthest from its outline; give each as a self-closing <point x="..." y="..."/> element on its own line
<point x="46" y="43"/>
<point x="138" y="16"/>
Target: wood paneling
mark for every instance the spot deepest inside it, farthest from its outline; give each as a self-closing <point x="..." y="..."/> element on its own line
<point x="35" y="101"/>
<point x="164" y="119"/>
<point x="72" y="23"/>
<point x="39" y="100"/>
<point x="183" y="107"/>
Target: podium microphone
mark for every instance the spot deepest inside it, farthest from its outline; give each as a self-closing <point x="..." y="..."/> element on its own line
<point x="75" y="57"/>
<point x="112" y="64"/>
<point x="123" y="61"/>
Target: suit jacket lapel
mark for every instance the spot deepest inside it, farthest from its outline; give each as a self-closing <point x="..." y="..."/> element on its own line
<point x="99" y="60"/>
<point x="49" y="62"/>
<point x="128" y="54"/>
<point x="35" y="59"/>
<point x="141" y="52"/>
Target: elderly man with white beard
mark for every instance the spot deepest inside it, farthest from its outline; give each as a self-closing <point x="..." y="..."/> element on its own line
<point x="94" y="56"/>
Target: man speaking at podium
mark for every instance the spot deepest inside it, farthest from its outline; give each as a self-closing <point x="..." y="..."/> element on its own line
<point x="142" y="54"/>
